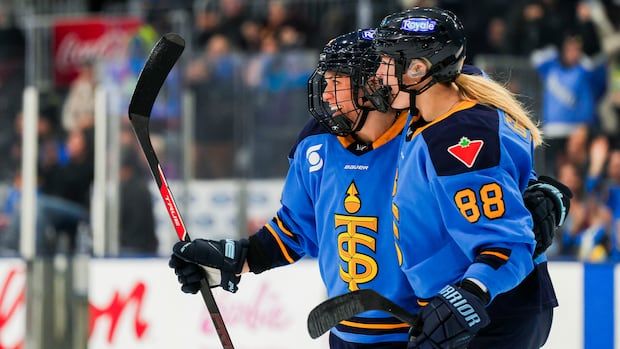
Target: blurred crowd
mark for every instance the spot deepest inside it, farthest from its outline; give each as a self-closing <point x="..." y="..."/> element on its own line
<point x="248" y="66"/>
<point x="65" y="162"/>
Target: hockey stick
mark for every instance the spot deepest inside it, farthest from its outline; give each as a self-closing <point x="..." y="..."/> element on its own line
<point x="334" y="310"/>
<point x="163" y="56"/>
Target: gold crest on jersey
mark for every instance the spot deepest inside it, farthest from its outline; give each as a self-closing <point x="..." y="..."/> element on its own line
<point x="360" y="268"/>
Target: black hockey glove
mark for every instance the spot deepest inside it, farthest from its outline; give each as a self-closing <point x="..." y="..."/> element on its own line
<point x="188" y="274"/>
<point x="549" y="202"/>
<point x="227" y="256"/>
<point x="451" y="319"/>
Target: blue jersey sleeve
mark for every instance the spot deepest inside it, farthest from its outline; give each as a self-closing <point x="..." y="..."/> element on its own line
<point x="481" y="203"/>
<point x="291" y="233"/>
<point x="491" y="233"/>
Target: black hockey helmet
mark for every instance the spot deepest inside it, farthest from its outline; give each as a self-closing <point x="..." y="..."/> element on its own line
<point x="350" y="55"/>
<point x="433" y="34"/>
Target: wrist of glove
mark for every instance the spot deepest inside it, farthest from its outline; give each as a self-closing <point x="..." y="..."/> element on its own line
<point x="549" y="203"/>
<point x="557" y="192"/>
<point x="452" y="318"/>
<point x="221" y="261"/>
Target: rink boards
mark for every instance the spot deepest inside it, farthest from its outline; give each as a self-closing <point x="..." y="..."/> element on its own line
<point x="136" y="303"/>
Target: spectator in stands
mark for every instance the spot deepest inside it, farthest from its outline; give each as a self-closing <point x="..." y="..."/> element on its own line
<point x="51" y="151"/>
<point x="277" y="17"/>
<point x="212" y="77"/>
<point x="54" y="217"/>
<point x="12" y="77"/>
<point x="610" y="43"/>
<point x="496" y="38"/>
<point x="538" y="23"/>
<point x="62" y="201"/>
<point x="12" y="40"/>
<point x="227" y="19"/>
<point x="606" y="188"/>
<point x="285" y="25"/>
<point x="577" y="221"/>
<point x="576" y="149"/>
<point x="251" y="32"/>
<point x="586" y="233"/>
<point x="79" y="108"/>
<point x="484" y="20"/>
<point x="592" y="241"/>
<point x="72" y="180"/>
<point x="586" y="29"/>
<point x="568" y="100"/>
<point x="137" y="222"/>
<point x="290" y="38"/>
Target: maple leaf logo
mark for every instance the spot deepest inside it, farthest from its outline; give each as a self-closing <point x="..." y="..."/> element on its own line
<point x="466" y="151"/>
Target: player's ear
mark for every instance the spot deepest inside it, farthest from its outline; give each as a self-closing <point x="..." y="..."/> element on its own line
<point x="417" y="69"/>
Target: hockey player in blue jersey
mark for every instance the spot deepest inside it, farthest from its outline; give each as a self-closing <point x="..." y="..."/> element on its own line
<point x="335" y="202"/>
<point x="463" y="234"/>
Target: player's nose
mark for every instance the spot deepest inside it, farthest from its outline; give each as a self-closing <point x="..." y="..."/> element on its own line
<point x="328" y="95"/>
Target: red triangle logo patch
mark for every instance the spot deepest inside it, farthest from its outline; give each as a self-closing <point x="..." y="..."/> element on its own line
<point x="466" y="151"/>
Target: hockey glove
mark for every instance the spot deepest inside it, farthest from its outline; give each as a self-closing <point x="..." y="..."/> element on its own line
<point x="451" y="319"/>
<point x="227" y="256"/>
<point x="188" y="274"/>
<point x="549" y="202"/>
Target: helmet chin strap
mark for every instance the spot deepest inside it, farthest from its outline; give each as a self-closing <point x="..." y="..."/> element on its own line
<point x="413" y="109"/>
<point x="360" y="121"/>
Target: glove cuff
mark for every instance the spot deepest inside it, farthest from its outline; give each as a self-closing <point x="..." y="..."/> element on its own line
<point x="235" y="253"/>
<point x="471" y="287"/>
<point x="558" y="192"/>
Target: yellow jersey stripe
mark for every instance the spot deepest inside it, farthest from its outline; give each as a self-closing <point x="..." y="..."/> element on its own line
<point x="496" y="254"/>
<point x="393" y="131"/>
<point x="280" y="243"/>
<point x="462" y="105"/>
<point x="374" y="326"/>
<point x="395" y="212"/>
<point x="346" y="141"/>
<point x="281" y="226"/>
<point x="399" y="254"/>
<point x="390" y="134"/>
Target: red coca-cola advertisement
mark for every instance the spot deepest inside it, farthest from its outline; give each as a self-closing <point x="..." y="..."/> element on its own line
<point x="88" y="39"/>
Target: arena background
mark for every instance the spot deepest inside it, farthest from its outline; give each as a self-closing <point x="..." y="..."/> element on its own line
<point x="84" y="238"/>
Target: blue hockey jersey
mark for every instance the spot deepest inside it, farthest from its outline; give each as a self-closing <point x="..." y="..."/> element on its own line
<point x="569" y="93"/>
<point x="457" y="207"/>
<point x="336" y="207"/>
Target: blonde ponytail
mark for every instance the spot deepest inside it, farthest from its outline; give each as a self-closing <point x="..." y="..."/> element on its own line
<point x="491" y="93"/>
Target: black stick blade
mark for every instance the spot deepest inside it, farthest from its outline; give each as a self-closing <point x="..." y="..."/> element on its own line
<point x="329" y="313"/>
<point x="335" y="310"/>
<point x="161" y="60"/>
